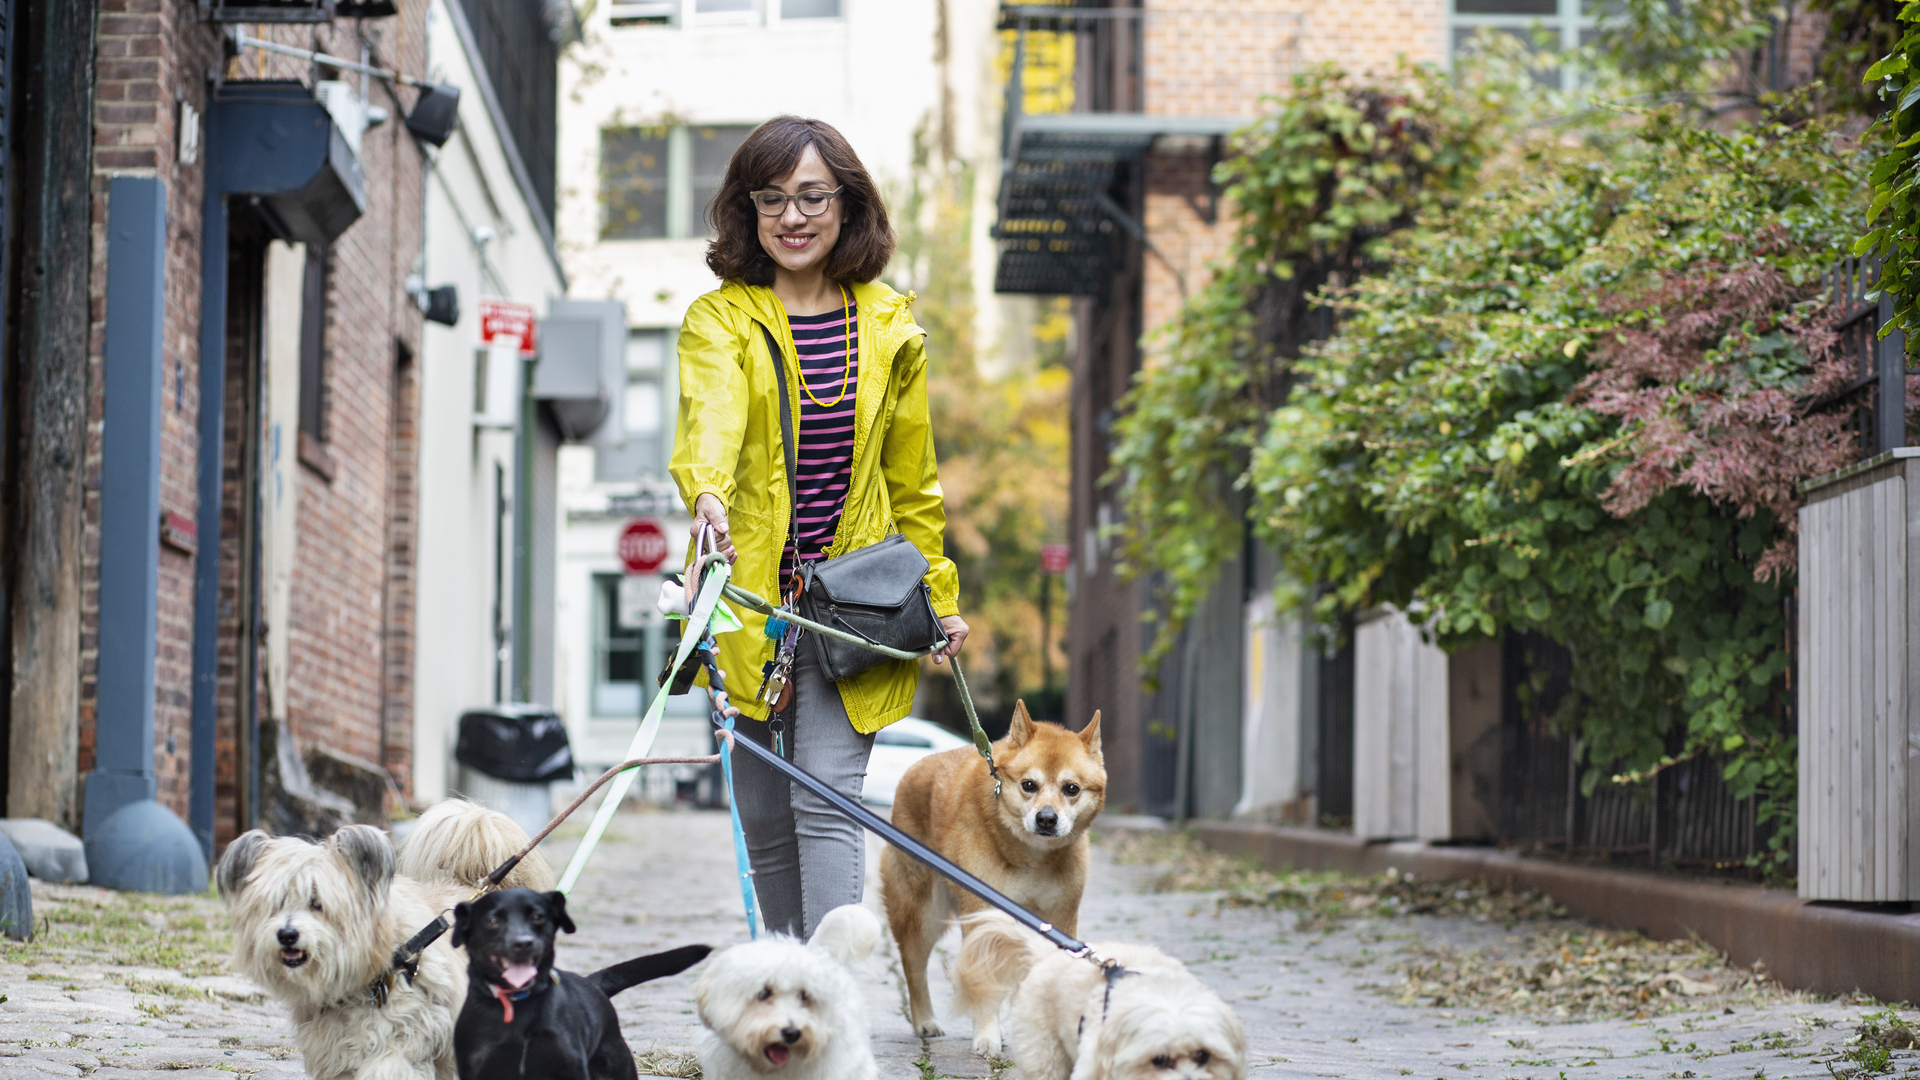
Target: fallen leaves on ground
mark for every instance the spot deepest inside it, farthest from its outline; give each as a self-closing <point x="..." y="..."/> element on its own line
<point x="676" y="1063"/>
<point x="1552" y="968"/>
<point x="1323" y="898"/>
<point x="1573" y="973"/>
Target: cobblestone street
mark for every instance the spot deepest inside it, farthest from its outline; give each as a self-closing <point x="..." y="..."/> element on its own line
<point x="1313" y="1001"/>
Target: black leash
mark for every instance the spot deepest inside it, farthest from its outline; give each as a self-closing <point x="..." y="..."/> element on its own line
<point x="884" y="829"/>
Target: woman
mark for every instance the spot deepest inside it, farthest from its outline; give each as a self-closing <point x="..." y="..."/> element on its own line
<point x="801" y="237"/>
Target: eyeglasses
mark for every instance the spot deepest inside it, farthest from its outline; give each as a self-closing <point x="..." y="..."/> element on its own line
<point x="813" y="203"/>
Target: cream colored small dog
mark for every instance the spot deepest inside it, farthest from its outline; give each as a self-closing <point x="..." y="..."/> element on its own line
<point x="1030" y="843"/>
<point x="315" y="924"/>
<point x="1149" y="1020"/>
<point x="781" y="1006"/>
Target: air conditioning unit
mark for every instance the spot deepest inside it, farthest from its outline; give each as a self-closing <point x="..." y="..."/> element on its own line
<point x="582" y="373"/>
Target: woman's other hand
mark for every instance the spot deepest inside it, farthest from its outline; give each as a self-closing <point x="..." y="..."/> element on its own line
<point x="956" y="631"/>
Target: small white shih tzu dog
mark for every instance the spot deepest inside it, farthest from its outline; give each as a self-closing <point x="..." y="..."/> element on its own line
<point x="316" y="924"/>
<point x="779" y="1005"/>
<point x="1151" y="1020"/>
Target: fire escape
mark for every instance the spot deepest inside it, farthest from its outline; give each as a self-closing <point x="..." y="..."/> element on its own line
<point x="1072" y="169"/>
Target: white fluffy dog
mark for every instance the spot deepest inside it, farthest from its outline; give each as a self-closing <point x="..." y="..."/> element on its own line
<point x="316" y="924"/>
<point x="778" y="1005"/>
<point x="1151" y="1021"/>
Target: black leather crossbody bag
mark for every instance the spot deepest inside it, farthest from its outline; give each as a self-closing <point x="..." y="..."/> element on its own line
<point x="878" y="593"/>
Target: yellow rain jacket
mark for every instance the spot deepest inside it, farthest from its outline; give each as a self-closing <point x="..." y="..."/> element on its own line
<point x="728" y="443"/>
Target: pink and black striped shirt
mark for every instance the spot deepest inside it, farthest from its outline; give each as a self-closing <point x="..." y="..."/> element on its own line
<point x="824" y="448"/>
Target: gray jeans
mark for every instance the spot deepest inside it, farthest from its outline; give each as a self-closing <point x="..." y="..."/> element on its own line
<point x="807" y="859"/>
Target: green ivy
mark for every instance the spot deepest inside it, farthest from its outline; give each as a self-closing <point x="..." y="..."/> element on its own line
<point x="1575" y="405"/>
<point x="1334" y="168"/>
<point x="1894" y="214"/>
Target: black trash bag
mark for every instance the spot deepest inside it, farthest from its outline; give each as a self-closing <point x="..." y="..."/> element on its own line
<point x="523" y="744"/>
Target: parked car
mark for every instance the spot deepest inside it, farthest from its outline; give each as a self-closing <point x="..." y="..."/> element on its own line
<point x="895" y="748"/>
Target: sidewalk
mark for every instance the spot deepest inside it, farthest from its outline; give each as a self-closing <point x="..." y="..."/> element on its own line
<point x="1316" y="999"/>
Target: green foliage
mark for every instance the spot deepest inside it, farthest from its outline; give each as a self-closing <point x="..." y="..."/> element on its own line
<point x="1334" y="168"/>
<point x="1688" y="50"/>
<point x="1894" y="215"/>
<point x="1575" y="405"/>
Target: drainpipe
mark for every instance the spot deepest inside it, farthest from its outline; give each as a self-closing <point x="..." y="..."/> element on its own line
<point x="132" y="841"/>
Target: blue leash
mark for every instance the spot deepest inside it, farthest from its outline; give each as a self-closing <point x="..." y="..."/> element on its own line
<point x="733" y="810"/>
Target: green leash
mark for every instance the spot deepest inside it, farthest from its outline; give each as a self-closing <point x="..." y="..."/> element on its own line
<point x="704" y="609"/>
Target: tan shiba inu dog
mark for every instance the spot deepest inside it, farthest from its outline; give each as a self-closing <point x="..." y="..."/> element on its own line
<point x="1030" y="843"/>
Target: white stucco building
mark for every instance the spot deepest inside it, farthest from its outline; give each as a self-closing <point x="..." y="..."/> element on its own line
<point x="486" y="235"/>
<point x="652" y="104"/>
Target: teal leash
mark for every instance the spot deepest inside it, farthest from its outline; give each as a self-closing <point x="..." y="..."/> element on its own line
<point x="739" y="834"/>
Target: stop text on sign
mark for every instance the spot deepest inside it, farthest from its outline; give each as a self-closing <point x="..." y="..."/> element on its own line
<point x="643" y="546"/>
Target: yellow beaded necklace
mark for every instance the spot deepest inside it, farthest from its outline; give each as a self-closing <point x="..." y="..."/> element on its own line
<point x="846" y="378"/>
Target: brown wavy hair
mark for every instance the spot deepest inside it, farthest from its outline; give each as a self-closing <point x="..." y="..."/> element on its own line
<point x="773" y="150"/>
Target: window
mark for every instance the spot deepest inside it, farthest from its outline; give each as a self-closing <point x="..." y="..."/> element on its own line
<point x="618" y="653"/>
<point x="313" y="345"/>
<point x="809" y="9"/>
<point x="1554" y="26"/>
<point x="655" y="183"/>
<point x="643" y="408"/>
<point x="728" y="12"/>
<point x="644" y="453"/>
<point x="643" y="12"/>
<point x="633" y="183"/>
<point x="713" y="147"/>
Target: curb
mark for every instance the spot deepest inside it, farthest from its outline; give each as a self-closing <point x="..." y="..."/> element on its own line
<point x="1805" y="946"/>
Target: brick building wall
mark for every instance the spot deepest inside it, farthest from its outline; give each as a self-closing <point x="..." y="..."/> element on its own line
<point x="353" y="566"/>
<point x="1221" y="61"/>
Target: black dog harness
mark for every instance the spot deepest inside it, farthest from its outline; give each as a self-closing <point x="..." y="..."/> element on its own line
<point x="1114" y="973"/>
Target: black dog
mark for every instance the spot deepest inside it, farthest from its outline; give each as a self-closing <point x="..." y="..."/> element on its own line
<point x="522" y="1018"/>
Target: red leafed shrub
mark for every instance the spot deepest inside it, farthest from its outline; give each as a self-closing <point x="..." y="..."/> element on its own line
<point x="1714" y="393"/>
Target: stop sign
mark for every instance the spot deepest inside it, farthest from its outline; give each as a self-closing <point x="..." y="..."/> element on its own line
<point x="643" y="546"/>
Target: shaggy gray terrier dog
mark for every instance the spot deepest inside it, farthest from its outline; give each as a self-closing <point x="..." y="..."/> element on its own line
<point x="315" y="924"/>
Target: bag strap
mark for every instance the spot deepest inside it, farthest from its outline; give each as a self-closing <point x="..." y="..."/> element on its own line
<point x="786" y="444"/>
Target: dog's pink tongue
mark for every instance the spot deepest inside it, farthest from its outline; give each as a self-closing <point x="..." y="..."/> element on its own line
<point x="777" y="1053"/>
<point x="517" y="975"/>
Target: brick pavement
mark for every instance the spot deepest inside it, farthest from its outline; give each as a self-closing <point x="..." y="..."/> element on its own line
<point x="666" y="879"/>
